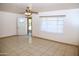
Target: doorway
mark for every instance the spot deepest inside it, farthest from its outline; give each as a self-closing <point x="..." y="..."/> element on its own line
<point x="29" y="26"/>
<point x="24" y="26"/>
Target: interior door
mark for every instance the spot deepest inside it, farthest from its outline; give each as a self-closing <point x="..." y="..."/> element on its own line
<point x="22" y="26"/>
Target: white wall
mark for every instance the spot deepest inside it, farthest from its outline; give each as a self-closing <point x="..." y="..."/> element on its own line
<point x="8" y="23"/>
<point x="35" y="24"/>
<point x="71" y="26"/>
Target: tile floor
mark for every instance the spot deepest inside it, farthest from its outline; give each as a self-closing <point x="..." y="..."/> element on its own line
<point x="27" y="46"/>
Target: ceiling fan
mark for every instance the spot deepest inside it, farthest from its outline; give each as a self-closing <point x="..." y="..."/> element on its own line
<point x="29" y="12"/>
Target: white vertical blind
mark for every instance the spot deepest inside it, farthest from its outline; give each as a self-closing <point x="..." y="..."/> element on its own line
<point x="52" y="24"/>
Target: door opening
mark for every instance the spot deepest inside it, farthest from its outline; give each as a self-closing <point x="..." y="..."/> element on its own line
<point x="29" y="26"/>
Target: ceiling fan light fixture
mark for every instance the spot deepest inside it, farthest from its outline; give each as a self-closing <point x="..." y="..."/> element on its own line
<point x="28" y="13"/>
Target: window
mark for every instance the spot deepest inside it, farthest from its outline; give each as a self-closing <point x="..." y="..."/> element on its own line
<point x="52" y="24"/>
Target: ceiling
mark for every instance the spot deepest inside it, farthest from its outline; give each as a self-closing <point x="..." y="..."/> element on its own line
<point x="38" y="7"/>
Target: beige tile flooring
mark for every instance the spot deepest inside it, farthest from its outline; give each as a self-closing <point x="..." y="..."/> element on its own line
<point x="27" y="46"/>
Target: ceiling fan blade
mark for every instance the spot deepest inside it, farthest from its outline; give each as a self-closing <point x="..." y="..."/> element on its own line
<point x="35" y="12"/>
<point x="22" y="12"/>
<point x="29" y="9"/>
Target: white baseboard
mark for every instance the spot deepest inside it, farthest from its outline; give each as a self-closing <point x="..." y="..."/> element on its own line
<point x="4" y="36"/>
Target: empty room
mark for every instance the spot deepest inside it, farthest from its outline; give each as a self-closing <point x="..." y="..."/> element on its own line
<point x="39" y="29"/>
